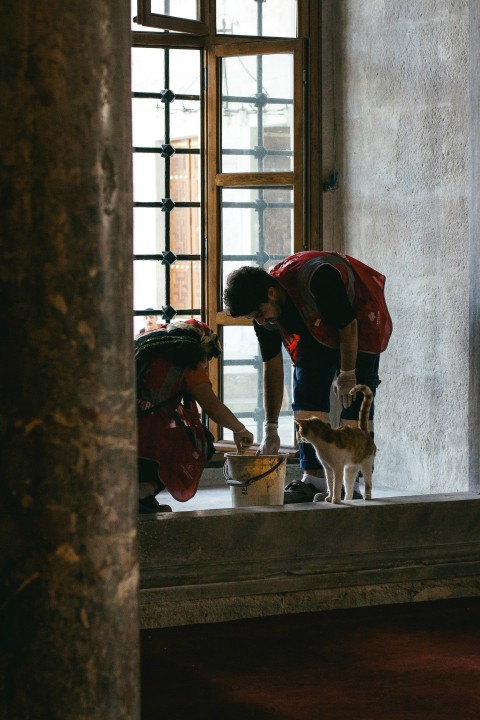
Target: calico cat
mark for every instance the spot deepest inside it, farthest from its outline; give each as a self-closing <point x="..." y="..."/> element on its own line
<point x="344" y="450"/>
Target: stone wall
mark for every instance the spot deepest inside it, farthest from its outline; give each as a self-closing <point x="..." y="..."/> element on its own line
<point x="397" y="110"/>
<point x="250" y="562"/>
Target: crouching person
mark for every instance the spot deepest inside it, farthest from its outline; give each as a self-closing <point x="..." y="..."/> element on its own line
<point x="171" y="378"/>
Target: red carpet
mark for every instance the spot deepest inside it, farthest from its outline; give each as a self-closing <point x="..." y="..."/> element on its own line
<point x="418" y="661"/>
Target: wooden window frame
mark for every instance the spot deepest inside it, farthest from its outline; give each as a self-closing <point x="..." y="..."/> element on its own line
<point x="217" y="318"/>
<point x="199" y="27"/>
<point x="306" y="177"/>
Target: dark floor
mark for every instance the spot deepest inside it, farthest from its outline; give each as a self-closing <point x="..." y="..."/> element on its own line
<point x="418" y="661"/>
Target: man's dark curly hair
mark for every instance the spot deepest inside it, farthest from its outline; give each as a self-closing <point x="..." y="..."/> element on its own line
<point x="246" y="288"/>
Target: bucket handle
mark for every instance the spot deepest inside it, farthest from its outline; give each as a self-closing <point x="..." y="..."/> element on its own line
<point x="230" y="481"/>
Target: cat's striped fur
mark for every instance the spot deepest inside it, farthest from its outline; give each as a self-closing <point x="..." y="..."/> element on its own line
<point x="343" y="451"/>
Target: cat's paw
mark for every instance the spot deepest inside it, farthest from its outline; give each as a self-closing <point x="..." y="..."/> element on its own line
<point x="329" y="498"/>
<point x="337" y="501"/>
<point x="368" y="496"/>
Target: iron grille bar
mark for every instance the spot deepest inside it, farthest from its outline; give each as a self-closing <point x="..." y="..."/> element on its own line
<point x="166" y="70"/>
<point x="160" y="204"/>
<point x="225" y="151"/>
<point x="159" y="96"/>
<point x="178" y="151"/>
<point x="250" y="257"/>
<point x="161" y="257"/>
<point x="245" y="362"/>
<point x="239" y="151"/>
<point x="257" y="413"/>
<point x="269" y="205"/>
<point x="187" y="311"/>
<point x="251" y="100"/>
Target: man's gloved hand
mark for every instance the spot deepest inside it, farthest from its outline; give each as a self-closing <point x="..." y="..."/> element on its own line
<point x="343" y="383"/>
<point x="270" y="444"/>
<point x="243" y="439"/>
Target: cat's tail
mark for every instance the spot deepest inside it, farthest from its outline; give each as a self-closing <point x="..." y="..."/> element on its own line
<point x="366" y="404"/>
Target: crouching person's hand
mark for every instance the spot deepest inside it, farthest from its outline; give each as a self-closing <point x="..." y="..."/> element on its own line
<point x="243" y="439"/>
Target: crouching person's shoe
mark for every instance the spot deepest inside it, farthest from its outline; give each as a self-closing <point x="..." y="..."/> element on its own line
<point x="149" y="505"/>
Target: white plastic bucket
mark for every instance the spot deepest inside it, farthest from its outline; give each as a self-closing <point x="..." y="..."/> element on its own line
<point x="255" y="479"/>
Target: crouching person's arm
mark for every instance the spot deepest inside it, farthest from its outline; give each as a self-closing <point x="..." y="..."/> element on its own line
<point x="221" y="414"/>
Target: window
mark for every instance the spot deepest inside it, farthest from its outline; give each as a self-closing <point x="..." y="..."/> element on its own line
<point x="221" y="119"/>
<point x="167" y="181"/>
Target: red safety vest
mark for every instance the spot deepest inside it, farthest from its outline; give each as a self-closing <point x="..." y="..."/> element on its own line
<point x="365" y="291"/>
<point x="170" y="430"/>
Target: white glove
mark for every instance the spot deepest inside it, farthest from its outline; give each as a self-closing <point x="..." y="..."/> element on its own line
<point x="243" y="439"/>
<point x="270" y="444"/>
<point x="343" y="383"/>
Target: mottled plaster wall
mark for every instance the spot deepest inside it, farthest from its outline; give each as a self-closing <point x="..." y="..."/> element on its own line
<point x="398" y="113"/>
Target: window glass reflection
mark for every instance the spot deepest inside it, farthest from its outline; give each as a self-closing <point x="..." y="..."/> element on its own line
<point x="275" y="18"/>
<point x="176" y="8"/>
<point x="243" y="387"/>
<point x="257" y="113"/>
<point x="257" y="227"/>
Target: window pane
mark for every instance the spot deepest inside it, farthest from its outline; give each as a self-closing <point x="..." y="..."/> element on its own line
<point x="148" y="122"/>
<point x="152" y="184"/>
<point x="185" y="285"/>
<point x="148" y="178"/>
<point x="257" y="227"/>
<point x="156" y="69"/>
<point x="185" y="177"/>
<point x="166" y="170"/>
<point x="176" y="8"/>
<point x="150" y="284"/>
<point x="149" y="235"/>
<point x="242" y="384"/>
<point x="275" y="18"/>
<point x="148" y="231"/>
<point x="148" y="69"/>
<point x="257" y="113"/>
<point x="185" y="231"/>
<point x="149" y="119"/>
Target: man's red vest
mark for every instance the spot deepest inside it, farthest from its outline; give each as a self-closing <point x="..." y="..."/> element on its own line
<point x="365" y="291"/>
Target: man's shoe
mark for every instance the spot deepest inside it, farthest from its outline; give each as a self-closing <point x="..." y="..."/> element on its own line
<point x="149" y="505"/>
<point x="299" y="492"/>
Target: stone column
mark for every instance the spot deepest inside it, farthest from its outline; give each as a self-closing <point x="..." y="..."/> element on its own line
<point x="69" y="628"/>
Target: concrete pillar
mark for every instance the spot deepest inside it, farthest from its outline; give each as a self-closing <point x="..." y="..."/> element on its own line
<point x="69" y="628"/>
